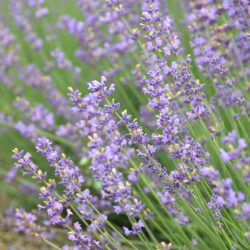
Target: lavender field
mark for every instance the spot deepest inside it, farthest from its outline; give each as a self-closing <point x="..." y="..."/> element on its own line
<point x="125" y="124"/>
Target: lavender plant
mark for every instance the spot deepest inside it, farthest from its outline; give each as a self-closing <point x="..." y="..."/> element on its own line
<point x="125" y="124"/>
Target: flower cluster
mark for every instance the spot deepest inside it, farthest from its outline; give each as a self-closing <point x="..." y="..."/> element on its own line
<point x="237" y="153"/>
<point x="63" y="63"/>
<point x="18" y="12"/>
<point x="217" y="52"/>
<point x="27" y="223"/>
<point x="55" y="204"/>
<point x="107" y="148"/>
<point x="170" y="81"/>
<point x="38" y="114"/>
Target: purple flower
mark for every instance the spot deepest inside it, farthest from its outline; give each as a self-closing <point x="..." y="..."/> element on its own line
<point x="136" y="228"/>
<point x="64" y="167"/>
<point x="24" y="162"/>
<point x="26" y="130"/>
<point x="106" y="145"/>
<point x="225" y="196"/>
<point x="237" y="153"/>
<point x="27" y="223"/>
<point x="245" y="212"/>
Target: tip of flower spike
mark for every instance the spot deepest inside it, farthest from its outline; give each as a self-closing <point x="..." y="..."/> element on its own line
<point x="164" y="245"/>
<point x="42" y="237"/>
<point x="128" y="184"/>
<point x="15" y="150"/>
<point x="70" y="89"/>
<point x="103" y="79"/>
<point x="118" y="8"/>
<point x="134" y="31"/>
<point x="93" y="137"/>
<point x="124" y="112"/>
<point x="35" y="234"/>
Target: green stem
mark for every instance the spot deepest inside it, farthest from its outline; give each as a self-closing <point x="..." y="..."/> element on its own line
<point x="51" y="244"/>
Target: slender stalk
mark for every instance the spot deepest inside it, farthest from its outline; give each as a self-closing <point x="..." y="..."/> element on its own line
<point x="52" y="244"/>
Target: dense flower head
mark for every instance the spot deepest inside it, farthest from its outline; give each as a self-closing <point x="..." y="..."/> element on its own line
<point x="135" y="228"/>
<point x="39" y="114"/>
<point x="63" y="63"/>
<point x="22" y="20"/>
<point x="215" y="50"/>
<point x="236" y="153"/>
<point x="64" y="167"/>
<point x="106" y="145"/>
<point x="33" y="77"/>
<point x="27" y="223"/>
<point x="227" y="195"/>
<point x="24" y="162"/>
<point x="8" y="53"/>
